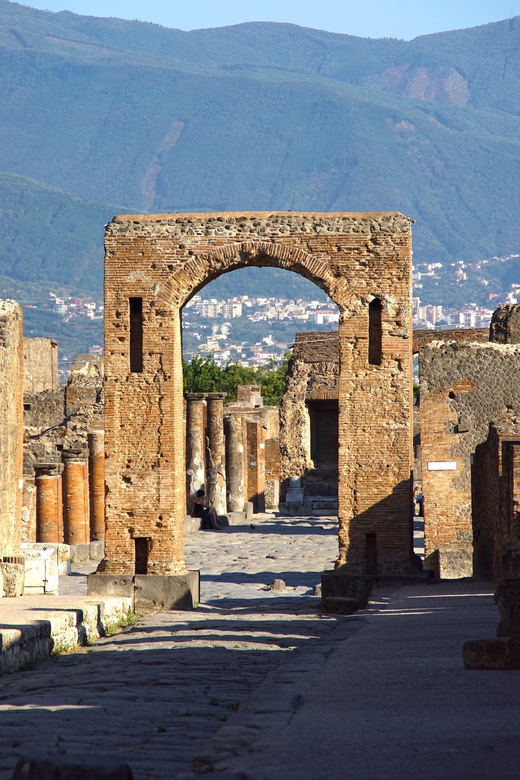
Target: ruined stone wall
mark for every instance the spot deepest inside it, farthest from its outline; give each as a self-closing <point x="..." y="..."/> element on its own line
<point x="505" y="324"/>
<point x="496" y="502"/>
<point x="40" y="357"/>
<point x="461" y="335"/>
<point x="50" y="429"/>
<point x="154" y="265"/>
<point x="313" y="374"/>
<point x="11" y="427"/>
<point x="464" y="387"/>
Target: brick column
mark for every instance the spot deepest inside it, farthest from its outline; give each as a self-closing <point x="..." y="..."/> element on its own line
<point x="49" y="504"/>
<point x="195" y="445"/>
<point x="235" y="463"/>
<point x="96" y="444"/>
<point x="256" y="465"/>
<point x="216" y="482"/>
<point x="75" y="496"/>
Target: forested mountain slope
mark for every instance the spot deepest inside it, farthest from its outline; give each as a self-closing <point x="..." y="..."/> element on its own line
<point x="256" y="116"/>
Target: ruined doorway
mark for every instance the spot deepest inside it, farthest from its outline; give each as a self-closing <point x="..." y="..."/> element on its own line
<point x="163" y="260"/>
<point x="322" y="478"/>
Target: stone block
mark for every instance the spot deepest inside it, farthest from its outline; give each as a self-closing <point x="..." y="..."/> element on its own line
<point x="97" y="550"/>
<point x="192" y="524"/>
<point x="249" y="509"/>
<point x="486" y="654"/>
<point x="339" y="605"/>
<point x="13" y="577"/>
<point x="154" y="592"/>
<point x="507" y="599"/>
<point x="236" y="518"/>
<point x="340" y="584"/>
<point x="110" y="585"/>
<point x="59" y="769"/>
<point x="41" y="570"/>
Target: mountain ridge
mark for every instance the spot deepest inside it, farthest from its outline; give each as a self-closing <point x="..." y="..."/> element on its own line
<point x="256" y="116"/>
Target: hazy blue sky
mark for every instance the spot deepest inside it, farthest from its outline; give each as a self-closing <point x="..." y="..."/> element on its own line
<point x="371" y="18"/>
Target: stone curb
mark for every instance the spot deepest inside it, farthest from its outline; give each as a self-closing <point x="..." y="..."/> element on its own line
<point x="22" y="646"/>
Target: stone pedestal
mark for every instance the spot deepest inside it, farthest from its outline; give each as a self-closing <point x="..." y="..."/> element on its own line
<point x="75" y="496"/>
<point x="96" y="443"/>
<point x="195" y="445"/>
<point x="216" y="478"/>
<point x="235" y="463"/>
<point x="294" y="493"/>
<point x="149" y="592"/>
<point x="49" y="506"/>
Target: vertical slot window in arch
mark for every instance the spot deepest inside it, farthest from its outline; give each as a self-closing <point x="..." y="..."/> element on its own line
<point x="375" y="332"/>
<point x="136" y="335"/>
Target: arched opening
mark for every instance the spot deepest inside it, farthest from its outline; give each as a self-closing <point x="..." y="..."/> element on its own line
<point x="238" y="333"/>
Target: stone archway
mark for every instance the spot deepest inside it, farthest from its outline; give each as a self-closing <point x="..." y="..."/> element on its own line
<point x="154" y="264"/>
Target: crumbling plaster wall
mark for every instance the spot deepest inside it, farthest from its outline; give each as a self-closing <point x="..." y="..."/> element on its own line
<point x="161" y="261"/>
<point x="464" y="387"/>
<point x="11" y="427"/>
<point x="40" y="365"/>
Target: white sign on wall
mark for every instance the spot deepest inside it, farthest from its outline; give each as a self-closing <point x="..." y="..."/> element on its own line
<point x="442" y="465"/>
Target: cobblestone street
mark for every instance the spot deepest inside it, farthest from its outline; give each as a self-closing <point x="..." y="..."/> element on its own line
<point x="153" y="694"/>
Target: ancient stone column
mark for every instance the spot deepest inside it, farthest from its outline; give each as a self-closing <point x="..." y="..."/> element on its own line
<point x="216" y="478"/>
<point x="96" y="444"/>
<point x="75" y="496"/>
<point x="235" y="463"/>
<point x="48" y="502"/>
<point x="195" y="445"/>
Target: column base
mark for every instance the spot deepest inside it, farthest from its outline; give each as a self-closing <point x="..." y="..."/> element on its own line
<point x="149" y="592"/>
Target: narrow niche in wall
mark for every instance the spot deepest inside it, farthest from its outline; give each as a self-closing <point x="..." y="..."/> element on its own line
<point x="141" y="555"/>
<point x="136" y="335"/>
<point x="375" y="332"/>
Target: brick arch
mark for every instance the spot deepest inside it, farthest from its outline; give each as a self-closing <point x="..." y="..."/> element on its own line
<point x="204" y="268"/>
<point x="158" y="262"/>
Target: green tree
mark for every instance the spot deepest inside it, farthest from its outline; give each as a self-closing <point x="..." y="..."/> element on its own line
<point x="203" y="375"/>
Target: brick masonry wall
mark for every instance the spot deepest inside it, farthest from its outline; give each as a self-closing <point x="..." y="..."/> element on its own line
<point x="164" y="260"/>
<point x="464" y="387"/>
<point x="496" y="502"/>
<point x="11" y="427"/>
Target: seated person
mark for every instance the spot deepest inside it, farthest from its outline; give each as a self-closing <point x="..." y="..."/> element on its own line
<point x="207" y="513"/>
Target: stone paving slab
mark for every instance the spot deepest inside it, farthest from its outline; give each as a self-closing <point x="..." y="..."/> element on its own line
<point x="153" y="695"/>
<point x="393" y="702"/>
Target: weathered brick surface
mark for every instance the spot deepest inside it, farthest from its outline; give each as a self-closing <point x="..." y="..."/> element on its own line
<point x="464" y="387"/>
<point x="496" y="502"/>
<point x="166" y="259"/>
<point x="11" y="427"/>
